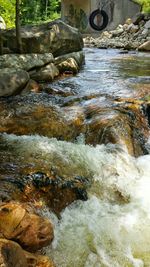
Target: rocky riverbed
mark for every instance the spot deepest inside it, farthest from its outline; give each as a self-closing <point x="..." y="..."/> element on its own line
<point x="134" y="34"/>
<point x="59" y="146"/>
<point x="69" y="147"/>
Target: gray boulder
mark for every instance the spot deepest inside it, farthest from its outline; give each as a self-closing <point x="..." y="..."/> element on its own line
<point x="54" y="37"/>
<point x="12" y="81"/>
<point x="25" y="61"/>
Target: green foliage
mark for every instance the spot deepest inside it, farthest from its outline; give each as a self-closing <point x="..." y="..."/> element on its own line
<point x="145" y="5"/>
<point x="7" y="11"/>
<point x="32" y="11"/>
<point x="36" y="11"/>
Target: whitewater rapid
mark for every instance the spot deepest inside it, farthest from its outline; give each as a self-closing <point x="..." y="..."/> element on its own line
<point x="110" y="229"/>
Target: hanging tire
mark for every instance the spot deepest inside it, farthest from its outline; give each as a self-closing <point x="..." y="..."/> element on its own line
<point x="104" y="16"/>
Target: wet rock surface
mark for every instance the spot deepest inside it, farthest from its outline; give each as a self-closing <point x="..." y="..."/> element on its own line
<point x="28" y="229"/>
<point x="42" y="135"/>
<point x="11" y="254"/>
<point x="21" y="228"/>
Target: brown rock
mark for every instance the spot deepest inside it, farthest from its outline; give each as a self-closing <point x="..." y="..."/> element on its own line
<point x="43" y="261"/>
<point x="32" y="86"/>
<point x="145" y="46"/>
<point x="36" y="118"/>
<point x="124" y="125"/>
<point x="69" y="65"/>
<point x="38" y="260"/>
<point x="29" y="230"/>
<point x="10" y="217"/>
<point x="34" y="232"/>
<point x="11" y="254"/>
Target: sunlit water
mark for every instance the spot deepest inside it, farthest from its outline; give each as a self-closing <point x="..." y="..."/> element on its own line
<point x="112" y="228"/>
<point x="111" y="73"/>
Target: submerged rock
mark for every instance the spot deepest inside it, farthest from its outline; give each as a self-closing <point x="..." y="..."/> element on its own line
<point x="124" y="124"/>
<point x="37" y="115"/>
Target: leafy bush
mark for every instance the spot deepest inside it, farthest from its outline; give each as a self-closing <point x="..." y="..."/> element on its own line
<point x="145" y="5"/>
<point x="7" y="11"/>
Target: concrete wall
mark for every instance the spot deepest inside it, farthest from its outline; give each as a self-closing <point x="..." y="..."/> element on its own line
<point x="77" y="12"/>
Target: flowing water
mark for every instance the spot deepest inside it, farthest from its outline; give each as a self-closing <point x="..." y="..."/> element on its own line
<point x="111" y="228"/>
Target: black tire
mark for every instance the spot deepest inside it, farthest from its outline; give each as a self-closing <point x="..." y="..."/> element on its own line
<point x="92" y="18"/>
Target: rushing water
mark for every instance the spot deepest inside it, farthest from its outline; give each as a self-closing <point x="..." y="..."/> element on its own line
<point x="112" y="228"/>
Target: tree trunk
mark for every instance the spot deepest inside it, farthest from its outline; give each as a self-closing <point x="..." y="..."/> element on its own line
<point x="46" y="6"/>
<point x="1" y="43"/>
<point x="18" y="30"/>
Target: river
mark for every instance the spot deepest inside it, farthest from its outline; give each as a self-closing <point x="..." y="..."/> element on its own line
<point x="111" y="228"/>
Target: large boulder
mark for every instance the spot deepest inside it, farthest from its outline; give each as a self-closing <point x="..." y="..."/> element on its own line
<point x="25" y="61"/>
<point x="31" y="231"/>
<point x="12" y="81"/>
<point x="54" y="37"/>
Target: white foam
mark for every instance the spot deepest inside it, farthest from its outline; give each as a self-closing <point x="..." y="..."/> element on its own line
<point x="112" y="228"/>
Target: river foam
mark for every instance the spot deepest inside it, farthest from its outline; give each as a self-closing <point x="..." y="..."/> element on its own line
<point x="112" y="228"/>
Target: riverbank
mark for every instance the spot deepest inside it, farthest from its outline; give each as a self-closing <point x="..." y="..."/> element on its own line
<point x="50" y="51"/>
<point x="133" y="35"/>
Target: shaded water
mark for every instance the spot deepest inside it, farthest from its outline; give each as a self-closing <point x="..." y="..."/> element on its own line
<point x="112" y="228"/>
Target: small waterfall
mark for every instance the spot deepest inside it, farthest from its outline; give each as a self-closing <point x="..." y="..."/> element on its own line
<point x="112" y="228"/>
